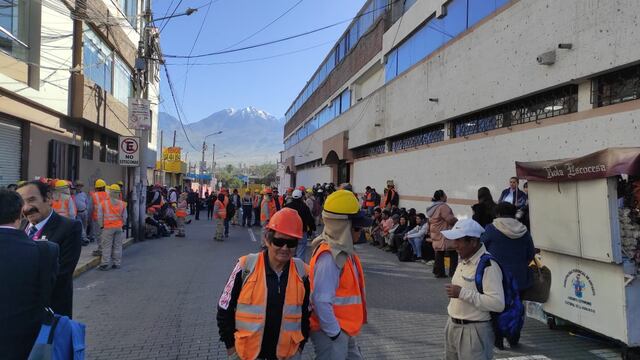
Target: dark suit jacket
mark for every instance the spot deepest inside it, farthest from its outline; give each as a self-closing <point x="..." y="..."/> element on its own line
<point x="67" y="234"/>
<point x="21" y="298"/>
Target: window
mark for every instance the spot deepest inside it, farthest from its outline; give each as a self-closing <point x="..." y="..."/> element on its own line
<point x="345" y="101"/>
<point x="87" y="144"/>
<point x="391" y="67"/>
<point x="122" y="81"/>
<point x="428" y="135"/>
<point x="97" y="59"/>
<point x="63" y="161"/>
<point x="376" y="148"/>
<point x="14" y="28"/>
<point x="533" y="108"/>
<point x="130" y="10"/>
<point x="108" y="149"/>
<point x="616" y="87"/>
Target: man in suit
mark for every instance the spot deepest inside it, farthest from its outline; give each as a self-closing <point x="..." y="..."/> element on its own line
<point x="22" y="300"/>
<point x="45" y="224"/>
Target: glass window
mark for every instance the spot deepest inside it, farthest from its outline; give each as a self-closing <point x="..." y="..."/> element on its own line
<point x="97" y="60"/>
<point x="479" y="9"/>
<point x="353" y="35"/>
<point x="391" y="67"/>
<point x="122" y="81"/>
<point x="130" y="10"/>
<point x="87" y="144"/>
<point x="345" y="101"/>
<point x="14" y="28"/>
<point x="379" y="7"/>
<point x="455" y="22"/>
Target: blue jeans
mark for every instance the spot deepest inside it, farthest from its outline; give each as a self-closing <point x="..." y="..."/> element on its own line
<point x="226" y="227"/>
<point x="302" y="247"/>
<point x="416" y="244"/>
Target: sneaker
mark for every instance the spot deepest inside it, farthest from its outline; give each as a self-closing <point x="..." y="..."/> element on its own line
<point x="430" y="262"/>
<point x="103" y="267"/>
<point x="114" y="266"/>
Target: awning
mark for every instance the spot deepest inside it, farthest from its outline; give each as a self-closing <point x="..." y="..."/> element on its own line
<point x="601" y="164"/>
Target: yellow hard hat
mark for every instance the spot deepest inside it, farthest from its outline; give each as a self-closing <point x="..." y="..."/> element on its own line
<point x="342" y="202"/>
<point x="60" y="184"/>
<point x="120" y="183"/>
<point x="100" y="183"/>
<point x="114" y="188"/>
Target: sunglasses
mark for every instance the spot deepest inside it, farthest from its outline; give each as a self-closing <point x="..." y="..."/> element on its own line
<point x="278" y="242"/>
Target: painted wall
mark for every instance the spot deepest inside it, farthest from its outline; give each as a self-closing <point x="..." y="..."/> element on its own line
<point x="310" y="177"/>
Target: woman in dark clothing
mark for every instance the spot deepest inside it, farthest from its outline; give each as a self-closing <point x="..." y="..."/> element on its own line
<point x="411" y="220"/>
<point x="210" y="202"/>
<point x="400" y="232"/>
<point x="485" y="210"/>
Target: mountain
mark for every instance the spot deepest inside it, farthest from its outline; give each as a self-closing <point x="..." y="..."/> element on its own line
<point x="248" y="135"/>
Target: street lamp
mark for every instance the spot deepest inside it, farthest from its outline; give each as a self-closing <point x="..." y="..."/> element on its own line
<point x="187" y="12"/>
<point x="204" y="148"/>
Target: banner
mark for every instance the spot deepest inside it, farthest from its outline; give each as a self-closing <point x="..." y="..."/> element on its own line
<point x="171" y="159"/>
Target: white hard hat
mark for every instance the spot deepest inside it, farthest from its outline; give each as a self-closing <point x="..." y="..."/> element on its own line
<point x="297" y="194"/>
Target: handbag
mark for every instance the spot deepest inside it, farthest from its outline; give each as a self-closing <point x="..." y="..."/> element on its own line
<point x="541" y="284"/>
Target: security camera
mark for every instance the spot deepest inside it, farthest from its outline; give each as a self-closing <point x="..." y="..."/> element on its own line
<point x="548" y="58"/>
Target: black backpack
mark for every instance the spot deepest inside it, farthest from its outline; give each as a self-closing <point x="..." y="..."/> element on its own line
<point x="405" y="252"/>
<point x="231" y="209"/>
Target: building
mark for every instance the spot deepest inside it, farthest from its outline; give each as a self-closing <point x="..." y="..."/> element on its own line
<point x="436" y="94"/>
<point x="66" y="73"/>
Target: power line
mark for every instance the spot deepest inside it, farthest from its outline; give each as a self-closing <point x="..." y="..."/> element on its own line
<point x="175" y="103"/>
<point x="195" y="41"/>
<point x="273" y="41"/>
<point x="172" y="13"/>
<point x="264" y="27"/>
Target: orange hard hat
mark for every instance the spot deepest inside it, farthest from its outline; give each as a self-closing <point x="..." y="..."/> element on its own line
<point x="301" y="188"/>
<point x="286" y="221"/>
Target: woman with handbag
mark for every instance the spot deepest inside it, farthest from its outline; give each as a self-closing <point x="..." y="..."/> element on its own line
<point x="441" y="218"/>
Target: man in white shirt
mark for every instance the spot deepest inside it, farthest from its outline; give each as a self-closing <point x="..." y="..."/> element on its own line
<point x="468" y="333"/>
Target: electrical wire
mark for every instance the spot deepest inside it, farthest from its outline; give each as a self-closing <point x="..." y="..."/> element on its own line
<point x="273" y="41"/>
<point x="175" y="103"/>
<point x="264" y="27"/>
<point x="169" y="18"/>
<point x="195" y="41"/>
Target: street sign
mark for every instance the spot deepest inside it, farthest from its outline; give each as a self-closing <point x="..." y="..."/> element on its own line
<point x="129" y="151"/>
<point x="139" y="113"/>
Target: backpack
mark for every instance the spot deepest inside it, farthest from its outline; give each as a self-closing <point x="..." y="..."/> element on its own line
<point x="508" y="323"/>
<point x="405" y="252"/>
<point x="231" y="209"/>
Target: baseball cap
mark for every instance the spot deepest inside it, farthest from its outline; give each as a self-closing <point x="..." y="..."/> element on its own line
<point x="297" y="194"/>
<point x="464" y="227"/>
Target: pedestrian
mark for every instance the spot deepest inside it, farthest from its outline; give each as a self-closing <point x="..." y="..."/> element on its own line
<point x="524" y="211"/>
<point x="469" y="333"/>
<point x="441" y="218"/>
<point x="390" y="230"/>
<point x="247" y="208"/>
<point x="181" y="213"/>
<point x="509" y="241"/>
<point x="417" y="235"/>
<point x="198" y="205"/>
<point x="82" y="206"/>
<point x="192" y="198"/>
<point x="219" y="216"/>
<point x="513" y="194"/>
<point x="46" y="224"/>
<point x="172" y="196"/>
<point x="111" y="222"/>
<point x="257" y="201"/>
<point x="268" y="207"/>
<point x="237" y="204"/>
<point x="386" y="226"/>
<point x="400" y="232"/>
<point x="211" y="200"/>
<point x="61" y="200"/>
<point x="485" y="210"/>
<point x="337" y="280"/>
<point x="96" y="199"/>
<point x="230" y="210"/>
<point x="263" y="312"/>
<point x="392" y="200"/>
<point x="27" y="273"/>
<point x="308" y="223"/>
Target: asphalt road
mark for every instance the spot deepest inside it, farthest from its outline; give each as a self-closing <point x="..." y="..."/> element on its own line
<point x="162" y="303"/>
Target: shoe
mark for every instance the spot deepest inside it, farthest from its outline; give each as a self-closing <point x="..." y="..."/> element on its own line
<point x="441" y="276"/>
<point x="103" y="267"/>
<point x="430" y="262"/>
<point x="188" y="222"/>
<point x="96" y="253"/>
<point x="114" y="266"/>
<point x="85" y="243"/>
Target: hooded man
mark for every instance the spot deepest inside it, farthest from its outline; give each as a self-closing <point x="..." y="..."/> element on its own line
<point x="337" y="280"/>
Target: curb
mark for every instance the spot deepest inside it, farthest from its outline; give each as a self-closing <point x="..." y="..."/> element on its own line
<point x="95" y="261"/>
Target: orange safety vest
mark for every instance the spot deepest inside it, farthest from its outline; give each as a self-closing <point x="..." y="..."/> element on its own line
<point x="267" y="209"/>
<point x="113" y="209"/>
<point x="64" y="207"/>
<point x="369" y="200"/>
<point x="350" y="306"/>
<point x="252" y="308"/>
<point x="97" y="198"/>
<point x="256" y="201"/>
<point x="222" y="210"/>
<point x="181" y="211"/>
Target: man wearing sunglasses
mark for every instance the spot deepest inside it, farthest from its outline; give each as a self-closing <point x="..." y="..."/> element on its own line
<point x="337" y="280"/>
<point x="263" y="312"/>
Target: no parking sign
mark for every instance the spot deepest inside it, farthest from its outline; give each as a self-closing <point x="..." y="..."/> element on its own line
<point x="129" y="151"/>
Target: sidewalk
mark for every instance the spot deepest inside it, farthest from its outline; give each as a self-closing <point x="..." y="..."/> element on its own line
<point x="88" y="261"/>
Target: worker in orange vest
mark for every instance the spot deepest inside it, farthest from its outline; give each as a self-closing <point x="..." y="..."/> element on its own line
<point x="111" y="221"/>
<point x="337" y="280"/>
<point x="61" y="201"/>
<point x="181" y="213"/>
<point x="267" y="207"/>
<point x="263" y="311"/>
<point x="96" y="199"/>
<point x="257" y="201"/>
<point x="219" y="216"/>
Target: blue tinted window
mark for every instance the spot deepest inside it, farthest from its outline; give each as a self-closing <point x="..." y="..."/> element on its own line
<point x="391" y="67"/>
<point x="345" y="102"/>
<point x="404" y="52"/>
<point x="479" y="9"/>
<point x="353" y="35"/>
<point x="456" y="20"/>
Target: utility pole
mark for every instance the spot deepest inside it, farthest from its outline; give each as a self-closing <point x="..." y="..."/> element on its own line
<point x="161" y="158"/>
<point x="213" y="164"/>
<point x="200" y="166"/>
<point x="174" y="138"/>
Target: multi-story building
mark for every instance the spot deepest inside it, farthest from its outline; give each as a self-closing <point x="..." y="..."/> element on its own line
<point x="66" y="73"/>
<point x="436" y="94"/>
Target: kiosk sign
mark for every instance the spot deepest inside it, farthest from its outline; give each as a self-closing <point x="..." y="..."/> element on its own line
<point x="129" y="151"/>
<point x="139" y="113"/>
<point x="580" y="290"/>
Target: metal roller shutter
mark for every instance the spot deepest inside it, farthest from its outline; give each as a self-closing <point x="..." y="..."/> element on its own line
<point x="10" y="151"/>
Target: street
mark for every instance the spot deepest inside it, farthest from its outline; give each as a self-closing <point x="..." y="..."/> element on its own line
<point x="162" y="305"/>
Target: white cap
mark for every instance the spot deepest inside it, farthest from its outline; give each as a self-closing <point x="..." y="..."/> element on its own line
<point x="297" y="194"/>
<point x="464" y="227"/>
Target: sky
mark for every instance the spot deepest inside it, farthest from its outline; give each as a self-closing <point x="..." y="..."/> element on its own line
<point x="268" y="84"/>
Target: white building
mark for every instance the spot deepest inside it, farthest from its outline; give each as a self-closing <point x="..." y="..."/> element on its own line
<point x="437" y="94"/>
<point x="65" y="78"/>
